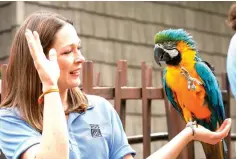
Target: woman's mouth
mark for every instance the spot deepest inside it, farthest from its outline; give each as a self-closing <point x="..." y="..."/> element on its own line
<point x="75" y="72"/>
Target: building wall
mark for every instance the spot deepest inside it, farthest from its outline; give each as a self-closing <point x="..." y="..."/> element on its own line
<point x="111" y="31"/>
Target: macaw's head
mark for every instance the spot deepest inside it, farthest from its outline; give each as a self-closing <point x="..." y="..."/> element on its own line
<point x="171" y="44"/>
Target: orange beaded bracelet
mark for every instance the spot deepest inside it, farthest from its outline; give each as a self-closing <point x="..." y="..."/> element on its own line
<point x="41" y="99"/>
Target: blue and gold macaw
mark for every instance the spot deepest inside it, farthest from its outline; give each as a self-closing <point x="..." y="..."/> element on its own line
<point x="190" y="84"/>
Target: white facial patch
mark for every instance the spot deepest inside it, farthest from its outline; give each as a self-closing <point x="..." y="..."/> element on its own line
<point x="157" y="46"/>
<point x="172" y="53"/>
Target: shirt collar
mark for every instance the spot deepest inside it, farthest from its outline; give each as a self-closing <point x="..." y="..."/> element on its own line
<point x="72" y="116"/>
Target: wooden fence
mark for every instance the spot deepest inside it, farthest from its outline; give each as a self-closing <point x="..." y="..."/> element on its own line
<point x="120" y="93"/>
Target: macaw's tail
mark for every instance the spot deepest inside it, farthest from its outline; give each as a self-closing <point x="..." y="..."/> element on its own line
<point x="217" y="151"/>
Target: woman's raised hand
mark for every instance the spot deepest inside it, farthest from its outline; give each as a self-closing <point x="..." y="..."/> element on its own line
<point x="48" y="69"/>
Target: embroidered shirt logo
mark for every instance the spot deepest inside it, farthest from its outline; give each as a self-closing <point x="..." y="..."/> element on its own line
<point x="95" y="130"/>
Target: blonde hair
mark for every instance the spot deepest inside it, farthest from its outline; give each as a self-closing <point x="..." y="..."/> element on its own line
<point x="23" y="85"/>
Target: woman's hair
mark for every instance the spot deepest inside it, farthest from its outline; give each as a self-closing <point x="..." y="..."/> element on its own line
<point x="231" y="19"/>
<point x="23" y="85"/>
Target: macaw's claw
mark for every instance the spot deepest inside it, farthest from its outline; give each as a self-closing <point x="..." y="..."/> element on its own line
<point x="191" y="125"/>
<point x="191" y="81"/>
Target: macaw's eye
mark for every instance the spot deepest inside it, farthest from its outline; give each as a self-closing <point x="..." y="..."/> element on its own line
<point x="170" y="45"/>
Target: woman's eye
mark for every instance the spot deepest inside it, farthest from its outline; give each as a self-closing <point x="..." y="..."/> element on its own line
<point x="79" y="48"/>
<point x="65" y="53"/>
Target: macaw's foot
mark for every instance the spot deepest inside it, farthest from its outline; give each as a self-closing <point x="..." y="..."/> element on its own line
<point x="191" y="125"/>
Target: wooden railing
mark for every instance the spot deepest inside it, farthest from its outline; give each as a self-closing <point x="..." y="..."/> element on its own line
<point x="120" y="93"/>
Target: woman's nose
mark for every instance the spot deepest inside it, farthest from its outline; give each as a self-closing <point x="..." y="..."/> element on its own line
<point x="79" y="58"/>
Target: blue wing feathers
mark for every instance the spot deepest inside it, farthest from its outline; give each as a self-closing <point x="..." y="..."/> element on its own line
<point x="213" y="92"/>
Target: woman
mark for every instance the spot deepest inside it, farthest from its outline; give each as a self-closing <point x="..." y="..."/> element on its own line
<point x="231" y="55"/>
<point x="64" y="123"/>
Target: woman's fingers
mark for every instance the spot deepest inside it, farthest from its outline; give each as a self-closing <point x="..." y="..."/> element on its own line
<point x="52" y="55"/>
<point x="224" y="131"/>
<point x="38" y="44"/>
<point x="31" y="44"/>
<point x="223" y="125"/>
<point x="37" y="66"/>
<point x="227" y="127"/>
<point x="36" y="55"/>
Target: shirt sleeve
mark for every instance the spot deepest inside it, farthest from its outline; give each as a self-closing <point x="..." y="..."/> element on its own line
<point x="119" y="144"/>
<point x="231" y="65"/>
<point x="16" y="136"/>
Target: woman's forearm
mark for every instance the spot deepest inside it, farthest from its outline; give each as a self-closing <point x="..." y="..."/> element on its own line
<point x="173" y="148"/>
<point x="55" y="142"/>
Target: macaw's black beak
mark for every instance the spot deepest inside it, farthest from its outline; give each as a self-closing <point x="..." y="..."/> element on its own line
<point x="161" y="55"/>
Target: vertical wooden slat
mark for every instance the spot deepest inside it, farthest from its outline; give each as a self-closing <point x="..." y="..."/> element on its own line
<point x="173" y="129"/>
<point x="149" y="77"/>
<point x="3" y="83"/>
<point x="97" y="79"/>
<point x="87" y="77"/>
<point x="122" y="65"/>
<point x="146" y="114"/>
<point x="225" y="86"/>
<point x="117" y="95"/>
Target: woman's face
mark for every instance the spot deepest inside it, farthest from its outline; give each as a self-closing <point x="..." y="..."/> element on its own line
<point x="69" y="57"/>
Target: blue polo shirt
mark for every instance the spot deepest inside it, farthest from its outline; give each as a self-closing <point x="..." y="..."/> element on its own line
<point x="95" y="134"/>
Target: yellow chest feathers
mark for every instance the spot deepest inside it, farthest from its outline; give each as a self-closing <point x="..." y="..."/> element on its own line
<point x="192" y="100"/>
<point x="176" y="80"/>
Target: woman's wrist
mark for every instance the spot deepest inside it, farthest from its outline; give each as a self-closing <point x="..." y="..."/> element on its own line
<point x="49" y="87"/>
<point x="51" y="90"/>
